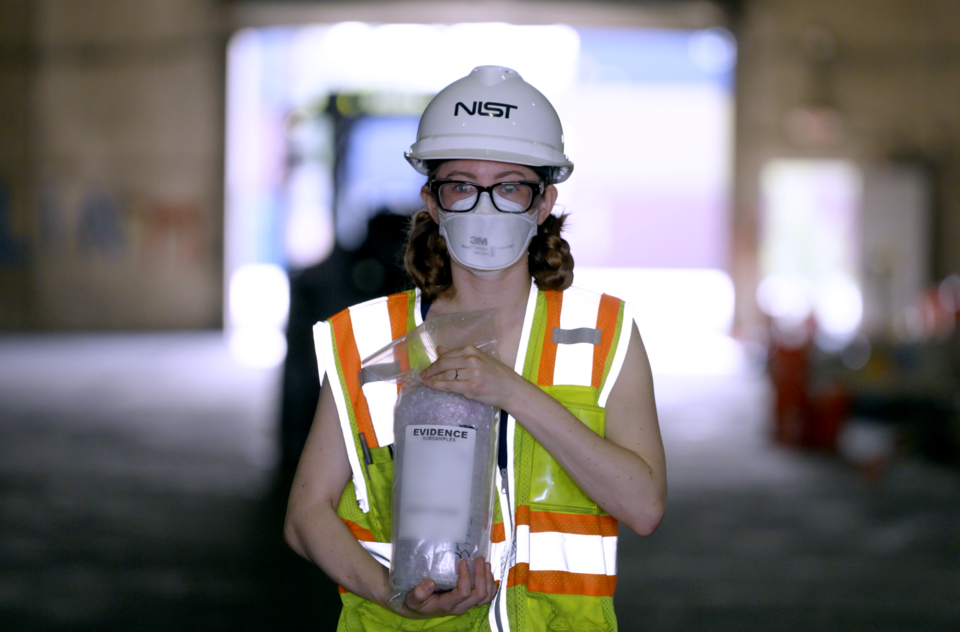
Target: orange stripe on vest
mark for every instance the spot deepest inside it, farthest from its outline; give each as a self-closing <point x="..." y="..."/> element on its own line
<point x="523" y="515"/>
<point x="364" y="535"/>
<point x="561" y="582"/>
<point x="607" y="323"/>
<point x="579" y="524"/>
<point x="350" y="365"/>
<point x="397" y="309"/>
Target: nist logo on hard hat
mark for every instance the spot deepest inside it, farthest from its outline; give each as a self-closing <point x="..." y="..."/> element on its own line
<point x="496" y="110"/>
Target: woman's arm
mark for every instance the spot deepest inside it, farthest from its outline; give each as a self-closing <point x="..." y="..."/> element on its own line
<point x="314" y="531"/>
<point x="312" y="528"/>
<point x="624" y="473"/>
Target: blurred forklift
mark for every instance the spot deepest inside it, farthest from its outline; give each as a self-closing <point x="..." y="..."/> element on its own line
<point x="373" y="198"/>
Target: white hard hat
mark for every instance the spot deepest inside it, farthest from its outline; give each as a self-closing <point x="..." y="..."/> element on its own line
<point x="491" y="114"/>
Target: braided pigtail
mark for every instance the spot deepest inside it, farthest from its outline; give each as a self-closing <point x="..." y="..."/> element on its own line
<point x="550" y="262"/>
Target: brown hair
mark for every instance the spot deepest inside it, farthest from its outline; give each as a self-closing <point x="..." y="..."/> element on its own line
<point x="428" y="263"/>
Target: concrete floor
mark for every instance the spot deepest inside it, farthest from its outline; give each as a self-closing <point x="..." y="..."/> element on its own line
<point x="137" y="492"/>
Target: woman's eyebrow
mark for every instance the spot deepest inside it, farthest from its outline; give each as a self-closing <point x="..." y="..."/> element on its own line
<point x="473" y="176"/>
<point x="461" y="173"/>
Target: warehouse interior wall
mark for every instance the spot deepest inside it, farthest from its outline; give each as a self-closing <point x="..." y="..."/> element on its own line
<point x="15" y="81"/>
<point x="111" y="161"/>
<point x="110" y="172"/>
<point x="872" y="83"/>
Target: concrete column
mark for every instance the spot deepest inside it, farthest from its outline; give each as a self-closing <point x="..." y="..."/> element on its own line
<point x="126" y="229"/>
<point x="17" y="70"/>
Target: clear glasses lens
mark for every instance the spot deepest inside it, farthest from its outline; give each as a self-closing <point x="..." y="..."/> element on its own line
<point x="508" y="197"/>
<point x="457" y="196"/>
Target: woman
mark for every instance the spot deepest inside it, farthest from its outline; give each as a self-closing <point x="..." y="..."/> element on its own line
<point x="580" y="449"/>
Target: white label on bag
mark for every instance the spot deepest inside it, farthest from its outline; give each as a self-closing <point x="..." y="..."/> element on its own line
<point x="437" y="483"/>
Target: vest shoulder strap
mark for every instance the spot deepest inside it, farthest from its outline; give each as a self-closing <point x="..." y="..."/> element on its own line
<point x="342" y="342"/>
<point x="579" y="336"/>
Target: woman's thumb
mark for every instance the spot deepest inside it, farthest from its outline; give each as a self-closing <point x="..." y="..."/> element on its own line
<point x="421" y="593"/>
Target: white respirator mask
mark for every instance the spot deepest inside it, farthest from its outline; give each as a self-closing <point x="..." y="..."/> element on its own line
<point x="484" y="239"/>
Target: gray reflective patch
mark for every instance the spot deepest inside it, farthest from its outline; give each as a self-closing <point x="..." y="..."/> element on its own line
<point x="379" y="372"/>
<point x="575" y="336"/>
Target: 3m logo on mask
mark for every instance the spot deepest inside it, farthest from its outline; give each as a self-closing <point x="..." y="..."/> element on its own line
<point x="478" y="241"/>
<point x="496" y="110"/>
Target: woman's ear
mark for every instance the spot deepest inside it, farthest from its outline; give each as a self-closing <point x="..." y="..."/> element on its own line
<point x="430" y="202"/>
<point x="547" y="200"/>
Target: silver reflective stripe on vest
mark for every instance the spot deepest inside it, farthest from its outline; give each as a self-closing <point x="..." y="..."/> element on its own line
<point x="574" y="362"/>
<point x="323" y="339"/>
<point x="379" y="372"/>
<point x="588" y="335"/>
<point x="381" y="551"/>
<point x="567" y="552"/>
<point x="626" y="330"/>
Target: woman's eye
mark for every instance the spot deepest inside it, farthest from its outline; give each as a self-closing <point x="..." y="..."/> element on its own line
<point x="508" y="188"/>
<point x="464" y="188"/>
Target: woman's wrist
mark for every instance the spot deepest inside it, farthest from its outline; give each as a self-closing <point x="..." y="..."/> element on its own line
<point x="396" y="601"/>
<point x="521" y="397"/>
<point x="377" y="587"/>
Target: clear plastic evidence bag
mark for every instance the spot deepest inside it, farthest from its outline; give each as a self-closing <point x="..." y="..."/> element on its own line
<point x="445" y="448"/>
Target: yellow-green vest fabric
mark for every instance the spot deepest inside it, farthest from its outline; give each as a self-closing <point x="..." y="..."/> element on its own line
<point x="555" y="549"/>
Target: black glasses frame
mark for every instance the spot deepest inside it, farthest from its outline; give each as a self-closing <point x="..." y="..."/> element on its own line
<point x="434" y="187"/>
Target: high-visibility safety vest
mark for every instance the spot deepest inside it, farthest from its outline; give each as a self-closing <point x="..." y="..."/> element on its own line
<point x="551" y="543"/>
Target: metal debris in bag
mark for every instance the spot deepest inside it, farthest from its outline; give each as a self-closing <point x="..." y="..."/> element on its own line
<point x="445" y="449"/>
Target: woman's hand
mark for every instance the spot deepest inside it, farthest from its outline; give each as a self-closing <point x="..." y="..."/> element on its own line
<point x="475" y="375"/>
<point x="423" y="603"/>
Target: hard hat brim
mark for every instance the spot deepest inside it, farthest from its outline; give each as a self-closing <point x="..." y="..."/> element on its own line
<point x="561" y="169"/>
